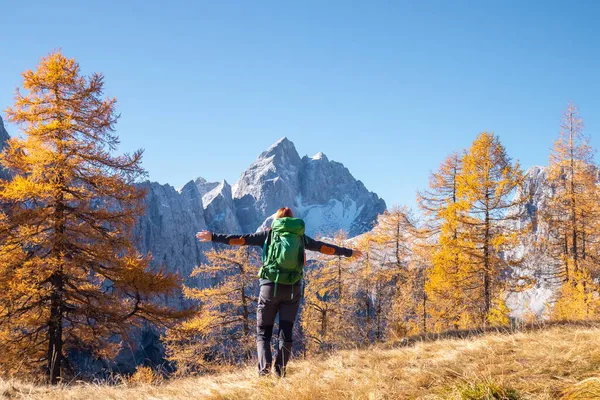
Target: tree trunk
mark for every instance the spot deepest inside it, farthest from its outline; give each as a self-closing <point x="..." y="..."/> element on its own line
<point x="572" y="196"/>
<point x="486" y="261"/>
<point x="55" y="340"/>
<point x="424" y="312"/>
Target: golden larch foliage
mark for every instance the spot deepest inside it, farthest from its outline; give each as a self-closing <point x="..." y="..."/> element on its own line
<point x="572" y="216"/>
<point x="328" y="303"/>
<point x="394" y="234"/>
<point x="488" y="184"/>
<point x="222" y="331"/>
<point x="446" y="247"/>
<point x="577" y="299"/>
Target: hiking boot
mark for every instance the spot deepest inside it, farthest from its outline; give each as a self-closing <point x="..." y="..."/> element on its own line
<point x="279" y="371"/>
<point x="263" y="373"/>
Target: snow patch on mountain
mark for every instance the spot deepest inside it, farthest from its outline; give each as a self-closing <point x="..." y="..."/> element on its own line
<point x="319" y="156"/>
<point x="330" y="217"/>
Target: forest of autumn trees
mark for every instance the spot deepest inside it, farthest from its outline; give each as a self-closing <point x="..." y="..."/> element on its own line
<point x="73" y="281"/>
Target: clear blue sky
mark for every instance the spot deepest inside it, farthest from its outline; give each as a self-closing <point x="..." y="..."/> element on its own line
<point x="387" y="88"/>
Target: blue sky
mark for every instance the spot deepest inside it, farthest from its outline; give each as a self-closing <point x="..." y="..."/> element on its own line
<point x="388" y="88"/>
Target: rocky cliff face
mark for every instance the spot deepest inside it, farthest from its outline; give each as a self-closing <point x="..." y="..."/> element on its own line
<point x="3" y="134"/>
<point x="331" y="199"/>
<point x="4" y="174"/>
<point x="536" y="264"/>
<point x="168" y="228"/>
<point x="204" y="186"/>
<point x="219" y="210"/>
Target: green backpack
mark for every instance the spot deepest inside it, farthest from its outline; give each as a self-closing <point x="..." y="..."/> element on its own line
<point x="283" y="257"/>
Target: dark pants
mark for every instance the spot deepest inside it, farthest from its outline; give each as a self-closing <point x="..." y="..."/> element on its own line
<point x="286" y="303"/>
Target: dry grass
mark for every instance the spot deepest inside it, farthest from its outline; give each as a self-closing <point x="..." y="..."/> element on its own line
<point x="558" y="362"/>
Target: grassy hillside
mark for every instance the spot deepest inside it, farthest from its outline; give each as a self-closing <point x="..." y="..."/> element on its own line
<point x="554" y="362"/>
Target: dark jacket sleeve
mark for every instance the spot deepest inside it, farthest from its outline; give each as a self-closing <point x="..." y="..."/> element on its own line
<point x="326" y="248"/>
<point x="249" y="239"/>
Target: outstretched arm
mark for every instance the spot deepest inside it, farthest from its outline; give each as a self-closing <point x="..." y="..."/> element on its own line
<point x="330" y="249"/>
<point x="250" y="239"/>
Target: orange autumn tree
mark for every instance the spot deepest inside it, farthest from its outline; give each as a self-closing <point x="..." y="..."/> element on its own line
<point x="446" y="247"/>
<point x="223" y="330"/>
<point x="573" y="219"/>
<point x="395" y="234"/>
<point x="71" y="277"/>
<point x="488" y="182"/>
<point x="328" y="302"/>
<point x="367" y="288"/>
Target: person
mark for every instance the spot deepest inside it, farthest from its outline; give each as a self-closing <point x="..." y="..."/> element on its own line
<point x="283" y="258"/>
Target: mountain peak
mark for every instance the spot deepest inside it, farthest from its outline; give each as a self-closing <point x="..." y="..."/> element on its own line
<point x="320" y="156"/>
<point x="221" y="189"/>
<point x="222" y="186"/>
<point x="204" y="186"/>
<point x="281" y="148"/>
<point x="283" y="141"/>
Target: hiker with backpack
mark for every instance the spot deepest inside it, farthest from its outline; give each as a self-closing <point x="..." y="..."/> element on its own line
<point x="283" y="259"/>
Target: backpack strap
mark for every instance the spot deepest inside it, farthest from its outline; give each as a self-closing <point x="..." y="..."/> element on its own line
<point x="302" y="251"/>
<point x="266" y="247"/>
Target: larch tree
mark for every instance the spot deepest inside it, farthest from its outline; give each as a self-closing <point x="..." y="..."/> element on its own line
<point x="222" y="331"/>
<point x="488" y="184"/>
<point x="573" y="212"/>
<point x="445" y="246"/>
<point x="71" y="277"/>
<point x="394" y="234"/>
<point x="328" y="304"/>
<point x="410" y="311"/>
<point x="316" y="312"/>
<point x="577" y="299"/>
<point x="364" y="289"/>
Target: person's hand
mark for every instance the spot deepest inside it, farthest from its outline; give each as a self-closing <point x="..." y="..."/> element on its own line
<point x="204" y="236"/>
<point x="356" y="253"/>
